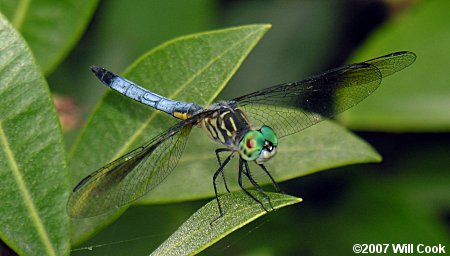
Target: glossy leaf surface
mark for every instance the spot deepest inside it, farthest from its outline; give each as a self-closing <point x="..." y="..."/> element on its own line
<point x="33" y="178"/>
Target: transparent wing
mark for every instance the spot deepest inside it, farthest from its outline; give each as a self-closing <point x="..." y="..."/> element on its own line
<point x="291" y="107"/>
<point x="130" y="176"/>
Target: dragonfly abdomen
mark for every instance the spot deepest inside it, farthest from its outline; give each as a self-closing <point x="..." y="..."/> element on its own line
<point x="226" y="125"/>
<point x="178" y="109"/>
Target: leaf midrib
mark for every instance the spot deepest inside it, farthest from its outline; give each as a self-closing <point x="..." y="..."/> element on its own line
<point x="42" y="232"/>
<point x="141" y="129"/>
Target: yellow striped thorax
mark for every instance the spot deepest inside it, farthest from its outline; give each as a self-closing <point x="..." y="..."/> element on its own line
<point x="225" y="125"/>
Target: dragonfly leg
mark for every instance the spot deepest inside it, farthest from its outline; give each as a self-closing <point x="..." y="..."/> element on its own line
<point x="274" y="183"/>
<point x="218" y="151"/>
<point x="220" y="170"/>
<point x="256" y="185"/>
<point x="242" y="163"/>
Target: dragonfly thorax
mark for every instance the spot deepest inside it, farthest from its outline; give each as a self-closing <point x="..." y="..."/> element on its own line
<point x="226" y="124"/>
<point x="258" y="145"/>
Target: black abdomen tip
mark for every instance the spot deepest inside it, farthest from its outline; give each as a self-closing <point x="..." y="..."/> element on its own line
<point x="104" y="75"/>
<point x="97" y="69"/>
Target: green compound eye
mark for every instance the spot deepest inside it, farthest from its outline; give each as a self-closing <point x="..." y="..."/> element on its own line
<point x="269" y="135"/>
<point x="251" y="145"/>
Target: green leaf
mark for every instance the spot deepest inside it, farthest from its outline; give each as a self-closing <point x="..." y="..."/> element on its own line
<point x="51" y="28"/>
<point x="33" y="178"/>
<point x="201" y="230"/>
<point x="323" y="146"/>
<point x="416" y="99"/>
<point x="191" y="68"/>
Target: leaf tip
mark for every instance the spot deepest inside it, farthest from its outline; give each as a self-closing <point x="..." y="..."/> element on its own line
<point x="267" y="25"/>
<point x="375" y="157"/>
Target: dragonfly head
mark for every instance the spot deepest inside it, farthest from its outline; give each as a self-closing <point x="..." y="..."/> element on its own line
<point x="258" y="145"/>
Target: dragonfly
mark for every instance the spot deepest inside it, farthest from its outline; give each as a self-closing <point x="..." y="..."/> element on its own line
<point x="248" y="126"/>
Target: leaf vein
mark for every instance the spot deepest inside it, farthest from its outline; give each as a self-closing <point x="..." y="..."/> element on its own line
<point x="26" y="194"/>
<point x="21" y="11"/>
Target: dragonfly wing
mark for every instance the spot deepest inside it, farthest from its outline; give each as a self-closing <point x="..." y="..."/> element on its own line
<point x="130" y="176"/>
<point x="291" y="107"/>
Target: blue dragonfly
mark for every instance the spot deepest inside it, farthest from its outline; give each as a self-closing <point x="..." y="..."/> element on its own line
<point x="249" y="126"/>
